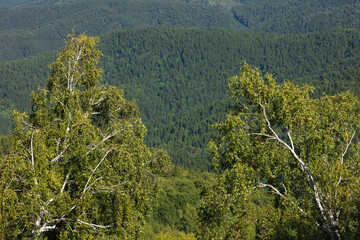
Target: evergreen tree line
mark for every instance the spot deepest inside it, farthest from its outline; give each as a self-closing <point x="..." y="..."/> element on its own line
<point x="286" y="16"/>
<point x="178" y="76"/>
<point x="29" y="30"/>
<point x="38" y="26"/>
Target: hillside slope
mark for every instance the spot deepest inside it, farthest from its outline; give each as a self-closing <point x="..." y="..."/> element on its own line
<point x="293" y="16"/>
<point x="178" y="76"/>
<point x="29" y="30"/>
<point x="40" y="26"/>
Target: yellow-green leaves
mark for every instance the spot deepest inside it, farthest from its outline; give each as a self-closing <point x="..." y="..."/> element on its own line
<point x="79" y="166"/>
<point x="304" y="151"/>
<point x="76" y="65"/>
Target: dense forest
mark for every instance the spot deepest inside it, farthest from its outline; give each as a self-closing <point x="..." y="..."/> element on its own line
<point x="173" y="59"/>
<point x="42" y="25"/>
<point x="178" y="115"/>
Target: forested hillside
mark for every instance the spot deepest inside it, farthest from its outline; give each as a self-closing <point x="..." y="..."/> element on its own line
<point x="29" y="30"/>
<point x="178" y="76"/>
<point x="38" y="26"/>
<point x="180" y="61"/>
<point x="14" y="3"/>
<point x="286" y="16"/>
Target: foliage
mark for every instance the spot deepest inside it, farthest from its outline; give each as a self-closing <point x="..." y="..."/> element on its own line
<point x="289" y="16"/>
<point x="29" y="30"/>
<point x="303" y="151"/>
<point x="171" y="234"/>
<point x="38" y="26"/>
<point x="4" y="144"/>
<point x="174" y="212"/>
<point x="79" y="167"/>
<point x="168" y="233"/>
<point x="178" y="77"/>
<point x="179" y="193"/>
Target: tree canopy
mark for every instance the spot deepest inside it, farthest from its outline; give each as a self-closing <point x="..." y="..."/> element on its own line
<point x="78" y="167"/>
<point x="178" y="78"/>
<point x="301" y="151"/>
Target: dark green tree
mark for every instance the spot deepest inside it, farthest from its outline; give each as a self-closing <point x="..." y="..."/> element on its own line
<point x="303" y="151"/>
<point x="79" y="167"/>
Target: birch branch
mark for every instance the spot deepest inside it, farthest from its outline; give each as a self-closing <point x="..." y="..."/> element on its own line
<point x="61" y="154"/>
<point x="16" y="178"/>
<point x="347" y="147"/>
<point x="93" y="172"/>
<point x="28" y="151"/>
<point x="302" y="164"/>
<point x="110" y="135"/>
<point x="32" y="151"/>
<point x="89" y="186"/>
<point x="45" y="227"/>
<point x="32" y="156"/>
<point x="264" y="135"/>
<point x="64" y="184"/>
<point x="150" y="161"/>
<point x="277" y="192"/>
<point x="97" y="102"/>
<point x="94" y="226"/>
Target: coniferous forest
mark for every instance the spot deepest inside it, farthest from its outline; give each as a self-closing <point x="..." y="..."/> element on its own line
<point x="179" y="119"/>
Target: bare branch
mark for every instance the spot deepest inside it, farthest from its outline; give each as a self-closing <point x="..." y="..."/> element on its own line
<point x="10" y="183"/>
<point x="347" y="147"/>
<point x="275" y="190"/>
<point x="150" y="161"/>
<point x="338" y="183"/>
<point x="97" y="102"/>
<point x="264" y="135"/>
<point x="17" y="178"/>
<point x="110" y="135"/>
<point x="94" y="226"/>
<point x="112" y="188"/>
<point x="61" y="154"/>
<point x="291" y="141"/>
<point x="284" y="188"/>
<point x="342" y="157"/>
<point x="32" y="155"/>
<point x="45" y="227"/>
<point x="89" y="186"/>
<point x="30" y="151"/>
<point x="64" y="184"/>
<point x="93" y="172"/>
<point x="28" y="125"/>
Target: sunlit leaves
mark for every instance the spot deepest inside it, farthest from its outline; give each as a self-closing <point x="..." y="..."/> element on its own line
<point x="79" y="166"/>
<point x="303" y="150"/>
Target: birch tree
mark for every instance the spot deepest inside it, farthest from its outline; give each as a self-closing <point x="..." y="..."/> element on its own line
<point x="303" y="151"/>
<point x="79" y="166"/>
